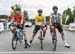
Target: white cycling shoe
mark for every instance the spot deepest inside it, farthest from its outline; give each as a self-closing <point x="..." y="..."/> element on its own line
<point x="29" y="44"/>
<point x="66" y="44"/>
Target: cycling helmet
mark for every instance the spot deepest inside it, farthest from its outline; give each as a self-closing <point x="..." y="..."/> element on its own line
<point x="40" y="10"/>
<point x="18" y="9"/>
<point x="55" y="7"/>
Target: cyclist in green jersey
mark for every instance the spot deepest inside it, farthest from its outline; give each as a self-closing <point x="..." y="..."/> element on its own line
<point x="56" y="18"/>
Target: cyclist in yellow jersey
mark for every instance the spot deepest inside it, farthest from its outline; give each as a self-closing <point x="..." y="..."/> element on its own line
<point x="39" y="21"/>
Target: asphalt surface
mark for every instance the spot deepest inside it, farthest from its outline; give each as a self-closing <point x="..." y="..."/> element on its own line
<point x="5" y="43"/>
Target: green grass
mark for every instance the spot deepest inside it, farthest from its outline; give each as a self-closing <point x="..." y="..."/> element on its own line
<point x="66" y="27"/>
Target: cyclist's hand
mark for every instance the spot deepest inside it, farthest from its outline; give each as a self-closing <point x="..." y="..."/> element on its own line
<point x="43" y="25"/>
<point x="50" y="24"/>
<point x="9" y="23"/>
<point x="20" y="25"/>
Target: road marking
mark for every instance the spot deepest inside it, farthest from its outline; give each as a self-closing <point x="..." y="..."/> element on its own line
<point x="37" y="52"/>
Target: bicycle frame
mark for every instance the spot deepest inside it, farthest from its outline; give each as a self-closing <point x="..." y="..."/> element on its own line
<point x="41" y="35"/>
<point x="54" y="37"/>
<point x="15" y="37"/>
<point x="17" y="31"/>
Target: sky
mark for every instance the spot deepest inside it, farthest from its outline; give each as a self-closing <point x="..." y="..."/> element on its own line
<point x="33" y="5"/>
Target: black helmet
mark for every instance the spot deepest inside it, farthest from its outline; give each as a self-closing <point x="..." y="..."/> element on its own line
<point x="17" y="9"/>
<point x="55" y="7"/>
<point x="40" y="10"/>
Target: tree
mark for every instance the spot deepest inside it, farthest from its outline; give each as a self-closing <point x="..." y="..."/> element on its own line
<point x="68" y="12"/>
<point x="74" y="14"/>
<point x="47" y="18"/>
<point x="26" y="17"/>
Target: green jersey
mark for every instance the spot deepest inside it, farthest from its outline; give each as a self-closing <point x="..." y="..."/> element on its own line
<point x="55" y="17"/>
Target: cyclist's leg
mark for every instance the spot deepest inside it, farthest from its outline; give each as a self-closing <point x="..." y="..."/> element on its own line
<point x="60" y="29"/>
<point x="34" y="33"/>
<point x="24" y="34"/>
<point x="52" y="31"/>
<point x="44" y="31"/>
<point x="24" y="37"/>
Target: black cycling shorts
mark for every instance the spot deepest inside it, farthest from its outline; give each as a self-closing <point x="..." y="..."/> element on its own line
<point x="58" y="26"/>
<point x="18" y="26"/>
<point x="36" y="29"/>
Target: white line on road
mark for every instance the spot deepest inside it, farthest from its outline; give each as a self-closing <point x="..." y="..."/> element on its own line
<point x="38" y="52"/>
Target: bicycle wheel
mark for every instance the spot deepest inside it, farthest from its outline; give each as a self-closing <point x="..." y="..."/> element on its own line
<point x="41" y="44"/>
<point x="54" y="45"/>
<point x="41" y="40"/>
<point x="14" y="42"/>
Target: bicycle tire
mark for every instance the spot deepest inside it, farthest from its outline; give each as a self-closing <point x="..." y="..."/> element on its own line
<point x="41" y="44"/>
<point x="41" y="40"/>
<point x="14" y="45"/>
<point x="54" y="45"/>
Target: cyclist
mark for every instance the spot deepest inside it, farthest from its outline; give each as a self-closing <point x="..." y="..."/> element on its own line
<point x="18" y="17"/>
<point x="39" y="21"/>
<point x="57" y="19"/>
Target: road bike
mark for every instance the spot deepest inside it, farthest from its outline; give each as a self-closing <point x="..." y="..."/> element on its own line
<point x="17" y="36"/>
<point x="54" y="37"/>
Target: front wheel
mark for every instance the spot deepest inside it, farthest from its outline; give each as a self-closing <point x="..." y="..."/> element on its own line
<point x="41" y="40"/>
<point x="41" y="44"/>
<point x="54" y="45"/>
<point x="14" y="42"/>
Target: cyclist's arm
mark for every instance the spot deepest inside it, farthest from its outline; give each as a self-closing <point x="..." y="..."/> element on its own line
<point x="12" y="20"/>
<point x="61" y="20"/>
<point x="44" y="20"/>
<point x="50" y="20"/>
<point x="22" y="18"/>
<point x="35" y="21"/>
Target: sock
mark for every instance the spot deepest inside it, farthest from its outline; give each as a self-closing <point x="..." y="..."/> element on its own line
<point x="30" y="41"/>
<point x="25" y="41"/>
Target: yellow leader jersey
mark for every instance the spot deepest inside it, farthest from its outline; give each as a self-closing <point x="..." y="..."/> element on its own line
<point x="40" y="19"/>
